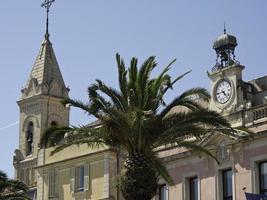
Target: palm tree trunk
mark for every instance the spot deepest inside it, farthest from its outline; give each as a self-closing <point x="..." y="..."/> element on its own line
<point x="139" y="180"/>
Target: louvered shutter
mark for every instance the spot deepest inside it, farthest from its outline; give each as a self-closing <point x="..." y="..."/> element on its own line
<point x="56" y="183"/>
<point x="86" y="176"/>
<point x="72" y="180"/>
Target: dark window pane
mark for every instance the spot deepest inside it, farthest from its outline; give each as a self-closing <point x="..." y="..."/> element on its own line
<point x="227" y="185"/>
<point x="79" y="178"/>
<point x="53" y="123"/>
<point x="263" y="178"/>
<point x="193" y="189"/>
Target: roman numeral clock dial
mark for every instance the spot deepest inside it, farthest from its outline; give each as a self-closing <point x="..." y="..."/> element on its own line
<point x="223" y="91"/>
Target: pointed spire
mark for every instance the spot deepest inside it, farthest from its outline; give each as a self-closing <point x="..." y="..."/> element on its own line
<point x="46" y="72"/>
<point x="47" y="4"/>
<point x="224" y="28"/>
<point x="45" y="77"/>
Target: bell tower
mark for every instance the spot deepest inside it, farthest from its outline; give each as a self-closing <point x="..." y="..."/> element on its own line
<point x="226" y="79"/>
<point x="40" y="107"/>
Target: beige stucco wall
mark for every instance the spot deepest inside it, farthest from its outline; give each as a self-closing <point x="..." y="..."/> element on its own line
<point x="71" y="152"/>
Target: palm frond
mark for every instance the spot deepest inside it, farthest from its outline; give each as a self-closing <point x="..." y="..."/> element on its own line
<point x="122" y="76"/>
<point x="196" y="148"/>
<point x="163" y="172"/>
<point x="78" y="104"/>
<point x="53" y="135"/>
<point x="190" y="99"/>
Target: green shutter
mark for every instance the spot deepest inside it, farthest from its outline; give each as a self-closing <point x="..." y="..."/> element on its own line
<point x="86" y="177"/>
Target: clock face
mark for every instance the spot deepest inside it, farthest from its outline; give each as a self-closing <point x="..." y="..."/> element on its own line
<point x="223" y="91"/>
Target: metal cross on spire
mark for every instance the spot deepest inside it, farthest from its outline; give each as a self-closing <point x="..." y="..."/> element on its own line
<point x="47" y="4"/>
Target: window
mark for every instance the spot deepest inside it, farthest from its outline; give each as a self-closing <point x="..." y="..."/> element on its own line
<point x="29" y="138"/>
<point x="27" y="177"/>
<point x="22" y="175"/>
<point x="227" y="184"/>
<point x="163" y="192"/>
<point x="263" y="177"/>
<point x="79" y="178"/>
<point x="53" y="123"/>
<point x="52" y="183"/>
<point x="193" y="188"/>
<point x="32" y="175"/>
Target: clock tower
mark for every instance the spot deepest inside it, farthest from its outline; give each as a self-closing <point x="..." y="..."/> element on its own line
<point x="226" y="80"/>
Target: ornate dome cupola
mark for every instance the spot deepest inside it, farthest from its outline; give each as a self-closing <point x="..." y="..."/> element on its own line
<point x="224" y="46"/>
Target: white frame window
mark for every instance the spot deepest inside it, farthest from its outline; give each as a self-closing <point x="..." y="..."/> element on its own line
<point x="79" y="178"/>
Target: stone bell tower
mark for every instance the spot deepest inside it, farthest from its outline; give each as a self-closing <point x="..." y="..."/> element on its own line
<point x="40" y="107"/>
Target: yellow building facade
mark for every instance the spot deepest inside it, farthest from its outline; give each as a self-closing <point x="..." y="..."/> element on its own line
<point x="77" y="173"/>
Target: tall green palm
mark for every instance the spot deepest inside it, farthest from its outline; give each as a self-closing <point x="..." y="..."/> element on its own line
<point x="137" y="120"/>
<point x="12" y="189"/>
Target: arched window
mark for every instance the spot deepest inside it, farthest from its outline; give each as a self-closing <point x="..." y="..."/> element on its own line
<point x="29" y="138"/>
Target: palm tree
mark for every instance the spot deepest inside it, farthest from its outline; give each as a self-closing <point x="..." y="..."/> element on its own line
<point x="136" y="120"/>
<point x="12" y="189"/>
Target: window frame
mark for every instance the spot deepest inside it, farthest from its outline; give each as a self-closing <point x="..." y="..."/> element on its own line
<point x="223" y="172"/>
<point x="165" y="188"/>
<point x="79" y="180"/>
<point x="261" y="178"/>
<point x="191" y="191"/>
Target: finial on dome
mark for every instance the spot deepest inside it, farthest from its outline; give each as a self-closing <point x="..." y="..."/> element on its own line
<point x="224" y="28"/>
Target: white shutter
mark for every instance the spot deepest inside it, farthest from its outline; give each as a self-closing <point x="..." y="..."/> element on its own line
<point x="86" y="177"/>
<point x="72" y="182"/>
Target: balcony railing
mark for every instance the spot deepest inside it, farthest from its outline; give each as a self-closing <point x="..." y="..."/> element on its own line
<point x="260" y="113"/>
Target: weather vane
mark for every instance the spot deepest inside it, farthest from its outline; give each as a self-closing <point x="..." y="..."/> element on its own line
<point x="47" y="4"/>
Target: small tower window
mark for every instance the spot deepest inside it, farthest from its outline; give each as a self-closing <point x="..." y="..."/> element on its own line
<point x="21" y="178"/>
<point x="53" y="123"/>
<point x="29" y="138"/>
<point x="27" y="177"/>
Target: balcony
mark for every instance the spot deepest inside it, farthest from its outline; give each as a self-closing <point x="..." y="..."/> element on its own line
<point x="260" y="113"/>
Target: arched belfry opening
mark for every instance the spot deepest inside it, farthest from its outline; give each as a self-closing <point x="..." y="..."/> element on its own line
<point x="225" y="46"/>
<point x="53" y="123"/>
<point x="29" y="138"/>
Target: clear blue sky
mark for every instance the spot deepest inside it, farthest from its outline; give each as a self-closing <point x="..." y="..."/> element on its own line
<point x="86" y="34"/>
